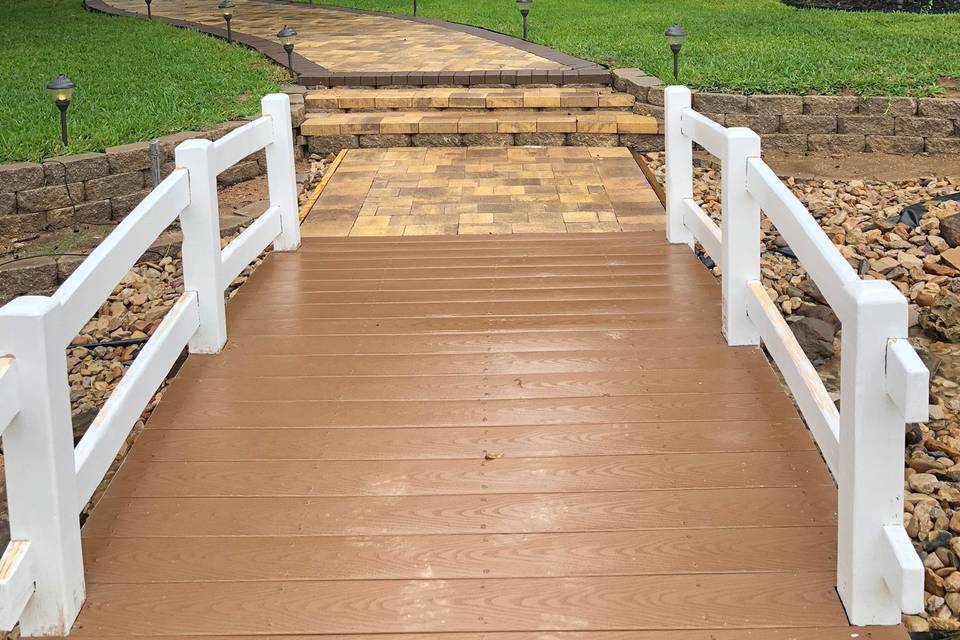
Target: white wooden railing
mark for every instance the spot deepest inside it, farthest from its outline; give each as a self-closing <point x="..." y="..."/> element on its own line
<point x="48" y="481"/>
<point x="883" y="383"/>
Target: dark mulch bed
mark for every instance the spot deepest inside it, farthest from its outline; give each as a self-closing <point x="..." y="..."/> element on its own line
<point x="915" y="6"/>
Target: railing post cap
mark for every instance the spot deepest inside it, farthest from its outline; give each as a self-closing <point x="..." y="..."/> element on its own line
<point x="193" y="145"/>
<point x="275" y="97"/>
<point x="874" y="292"/>
<point x="676" y="90"/>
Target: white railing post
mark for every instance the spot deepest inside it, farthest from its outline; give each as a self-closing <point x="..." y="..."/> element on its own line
<point x="679" y="164"/>
<point x="871" y="453"/>
<point x="38" y="456"/>
<point x="200" y="223"/>
<point x="281" y="171"/>
<point x="740" y="231"/>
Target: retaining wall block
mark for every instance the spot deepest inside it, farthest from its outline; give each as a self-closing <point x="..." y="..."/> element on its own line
<point x="900" y="145"/>
<point x="20" y="176"/>
<point x="926" y="127"/>
<point x="943" y="145"/>
<point x="79" y="168"/>
<point x="888" y="106"/>
<point x="939" y="108"/>
<point x="875" y="125"/>
<point x="784" y="142"/>
<point x="778" y="105"/>
<point x="808" y="124"/>
<point x="830" y="105"/>
<point x="52" y="197"/>
<point x="761" y="123"/>
<point x="836" y="143"/>
<point x="719" y="103"/>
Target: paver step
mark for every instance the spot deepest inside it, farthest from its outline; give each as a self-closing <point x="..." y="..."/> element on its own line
<point x="447" y="122"/>
<point x="469" y="98"/>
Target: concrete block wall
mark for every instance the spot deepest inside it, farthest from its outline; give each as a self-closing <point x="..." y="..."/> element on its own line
<point x="823" y="124"/>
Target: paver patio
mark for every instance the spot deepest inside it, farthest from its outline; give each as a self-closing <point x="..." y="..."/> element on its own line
<point x="451" y="191"/>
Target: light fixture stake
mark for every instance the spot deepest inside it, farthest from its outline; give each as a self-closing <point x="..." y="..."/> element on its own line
<point x="286" y="35"/>
<point x="226" y="9"/>
<point x="61" y="90"/>
<point x="675" y="36"/>
<point x="524" y="7"/>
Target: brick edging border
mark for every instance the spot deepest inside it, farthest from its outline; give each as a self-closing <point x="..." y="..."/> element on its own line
<point x="312" y="74"/>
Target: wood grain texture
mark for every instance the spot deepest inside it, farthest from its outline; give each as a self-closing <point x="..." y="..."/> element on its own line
<point x="195" y="411"/>
<point x="447" y="557"/>
<point x="384" y="606"/>
<point x="809" y="633"/>
<point x="439" y="443"/>
<point x="467" y="387"/>
<point x="156" y="479"/>
<point x="534" y="438"/>
<point x="491" y="513"/>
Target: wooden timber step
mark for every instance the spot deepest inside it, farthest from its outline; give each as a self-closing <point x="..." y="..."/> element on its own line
<point x="345" y="99"/>
<point x="464" y="122"/>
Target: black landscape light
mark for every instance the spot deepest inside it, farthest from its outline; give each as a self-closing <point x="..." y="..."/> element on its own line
<point x="226" y="10"/>
<point x="524" y="7"/>
<point x="287" y="36"/>
<point x="61" y="90"/>
<point x="149" y="14"/>
<point x="414" y="7"/>
<point x="675" y="36"/>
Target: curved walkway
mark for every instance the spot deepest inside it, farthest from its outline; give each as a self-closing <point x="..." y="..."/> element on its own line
<point x="338" y="46"/>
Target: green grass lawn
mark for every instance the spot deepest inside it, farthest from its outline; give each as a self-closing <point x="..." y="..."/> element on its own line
<point x="744" y="46"/>
<point x="135" y="79"/>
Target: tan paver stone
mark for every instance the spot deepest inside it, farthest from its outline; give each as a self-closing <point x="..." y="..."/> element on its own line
<point x="478" y="190"/>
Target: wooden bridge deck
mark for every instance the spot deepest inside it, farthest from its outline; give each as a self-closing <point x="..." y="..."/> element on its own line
<point x="510" y="438"/>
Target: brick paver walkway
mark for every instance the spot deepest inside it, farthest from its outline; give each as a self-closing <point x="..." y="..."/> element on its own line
<point x="451" y="191"/>
<point x="348" y="41"/>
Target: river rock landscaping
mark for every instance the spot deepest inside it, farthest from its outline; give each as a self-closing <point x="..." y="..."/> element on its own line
<point x="906" y="232"/>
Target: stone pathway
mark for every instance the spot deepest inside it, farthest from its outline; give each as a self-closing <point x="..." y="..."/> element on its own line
<point x="342" y="40"/>
<point x="451" y="191"/>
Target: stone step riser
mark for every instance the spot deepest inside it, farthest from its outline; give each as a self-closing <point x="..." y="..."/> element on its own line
<point x="472" y="99"/>
<point x="325" y="145"/>
<point x="465" y="123"/>
<point x="320" y="111"/>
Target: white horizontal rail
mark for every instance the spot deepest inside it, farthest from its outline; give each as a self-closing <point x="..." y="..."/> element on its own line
<point x="249" y="244"/>
<point x="704" y="131"/>
<point x="908" y="380"/>
<point x="87" y="287"/>
<point x="241" y="142"/>
<point x="17" y="582"/>
<point x="98" y="447"/>
<point x="902" y="569"/>
<point x="815" y="404"/>
<point x="818" y="255"/>
<point x="9" y="392"/>
<point x="704" y="229"/>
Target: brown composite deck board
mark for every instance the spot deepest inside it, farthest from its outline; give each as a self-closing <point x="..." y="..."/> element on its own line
<point x="450" y="557"/>
<point x="510" y="438"/>
<point x="441" y="443"/>
<point x="520" y="362"/>
<point x="813" y="633"/>
<point x="155" y="479"/>
<point x="478" y="387"/>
